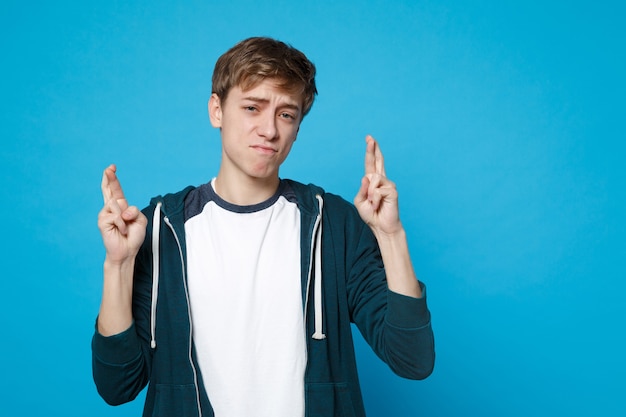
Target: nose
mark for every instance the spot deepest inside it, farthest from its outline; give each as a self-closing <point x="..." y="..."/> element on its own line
<point x="267" y="127"/>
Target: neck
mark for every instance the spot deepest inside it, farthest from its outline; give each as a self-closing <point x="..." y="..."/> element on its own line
<point x="245" y="191"/>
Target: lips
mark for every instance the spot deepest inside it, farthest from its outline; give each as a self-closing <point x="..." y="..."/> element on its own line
<point x="264" y="149"/>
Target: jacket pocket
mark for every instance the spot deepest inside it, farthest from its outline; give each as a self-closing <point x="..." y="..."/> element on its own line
<point x="328" y="400"/>
<point x="175" y="400"/>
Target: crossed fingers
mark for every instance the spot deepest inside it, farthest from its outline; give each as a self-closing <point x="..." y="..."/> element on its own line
<point x="114" y="200"/>
<point x="374" y="161"/>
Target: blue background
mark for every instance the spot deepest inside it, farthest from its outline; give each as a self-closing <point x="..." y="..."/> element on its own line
<point x="502" y="124"/>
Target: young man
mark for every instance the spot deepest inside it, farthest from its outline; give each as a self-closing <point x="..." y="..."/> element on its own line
<point x="235" y="298"/>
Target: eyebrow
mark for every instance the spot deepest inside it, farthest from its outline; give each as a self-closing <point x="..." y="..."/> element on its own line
<point x="264" y="100"/>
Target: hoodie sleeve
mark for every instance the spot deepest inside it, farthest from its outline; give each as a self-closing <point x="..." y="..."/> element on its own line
<point x="397" y="327"/>
<point x="118" y="366"/>
<point x="121" y="363"/>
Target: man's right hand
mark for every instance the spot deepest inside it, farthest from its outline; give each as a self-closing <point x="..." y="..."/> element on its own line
<point x="123" y="227"/>
<point x="123" y="230"/>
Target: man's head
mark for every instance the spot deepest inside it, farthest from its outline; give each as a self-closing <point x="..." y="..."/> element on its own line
<point x="253" y="60"/>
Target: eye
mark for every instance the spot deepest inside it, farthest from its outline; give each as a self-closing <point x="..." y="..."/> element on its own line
<point x="250" y="108"/>
<point x="289" y="116"/>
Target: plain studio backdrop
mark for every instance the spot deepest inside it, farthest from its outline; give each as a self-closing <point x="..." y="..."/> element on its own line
<point x="502" y="124"/>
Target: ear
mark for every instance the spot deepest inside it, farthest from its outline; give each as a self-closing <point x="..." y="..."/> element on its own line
<point x="215" y="111"/>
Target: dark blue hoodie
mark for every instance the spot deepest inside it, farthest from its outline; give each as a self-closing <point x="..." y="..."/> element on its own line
<point x="158" y="348"/>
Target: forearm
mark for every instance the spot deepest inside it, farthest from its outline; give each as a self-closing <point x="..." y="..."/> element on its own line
<point x="116" y="307"/>
<point x="399" y="270"/>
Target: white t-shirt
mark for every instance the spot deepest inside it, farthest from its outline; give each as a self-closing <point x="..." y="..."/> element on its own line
<point x="246" y="302"/>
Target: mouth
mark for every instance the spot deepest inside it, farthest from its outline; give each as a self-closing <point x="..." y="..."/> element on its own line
<point x="265" y="150"/>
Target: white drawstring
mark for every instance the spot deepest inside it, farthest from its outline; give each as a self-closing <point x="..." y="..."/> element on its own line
<point x="317" y="292"/>
<point x="156" y="227"/>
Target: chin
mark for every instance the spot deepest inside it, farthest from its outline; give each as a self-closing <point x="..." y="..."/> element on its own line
<point x="263" y="174"/>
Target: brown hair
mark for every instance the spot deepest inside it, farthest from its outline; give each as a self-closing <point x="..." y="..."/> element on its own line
<point x="252" y="60"/>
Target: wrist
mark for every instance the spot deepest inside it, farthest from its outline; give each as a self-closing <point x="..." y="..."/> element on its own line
<point x="125" y="264"/>
<point x="119" y="274"/>
<point x="394" y="250"/>
<point x="392" y="236"/>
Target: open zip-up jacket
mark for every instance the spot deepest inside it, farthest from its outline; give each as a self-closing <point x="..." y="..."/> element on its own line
<point x="343" y="282"/>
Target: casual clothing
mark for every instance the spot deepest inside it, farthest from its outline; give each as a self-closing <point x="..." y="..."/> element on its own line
<point x="342" y="281"/>
<point x="243" y="266"/>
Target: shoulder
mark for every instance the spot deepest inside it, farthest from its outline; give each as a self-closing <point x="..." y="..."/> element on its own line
<point x="307" y="194"/>
<point x="335" y="208"/>
<point x="170" y="202"/>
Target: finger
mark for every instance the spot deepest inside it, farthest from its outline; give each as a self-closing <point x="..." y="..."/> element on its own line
<point x="370" y="155"/>
<point x="361" y="195"/>
<point x="381" y="189"/>
<point x="112" y="188"/>
<point x="109" y="221"/>
<point x="113" y="184"/>
<point x="374" y="190"/>
<point x="131" y="214"/>
<point x="374" y="161"/>
<point x="104" y="185"/>
<point x="114" y="218"/>
<point x="379" y="161"/>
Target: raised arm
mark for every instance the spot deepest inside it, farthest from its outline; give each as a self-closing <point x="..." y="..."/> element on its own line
<point x="123" y="229"/>
<point x="377" y="204"/>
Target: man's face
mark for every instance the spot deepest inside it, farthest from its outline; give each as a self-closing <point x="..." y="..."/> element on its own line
<point x="258" y="128"/>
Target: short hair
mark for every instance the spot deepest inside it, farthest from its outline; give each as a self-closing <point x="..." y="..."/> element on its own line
<point x="252" y="60"/>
